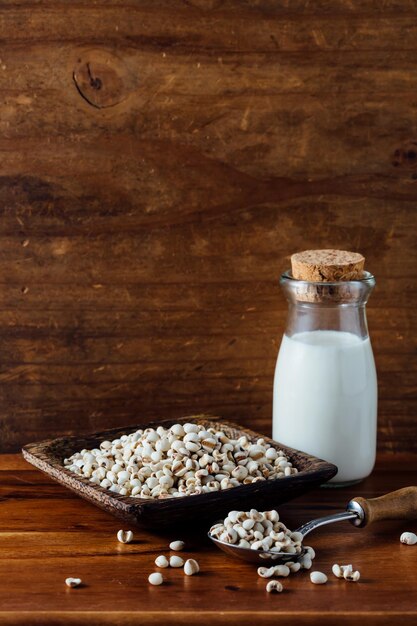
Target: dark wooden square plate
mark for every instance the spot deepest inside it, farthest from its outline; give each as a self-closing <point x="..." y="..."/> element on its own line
<point x="48" y="456"/>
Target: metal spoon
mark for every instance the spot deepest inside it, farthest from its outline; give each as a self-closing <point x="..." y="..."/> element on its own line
<point x="400" y="504"/>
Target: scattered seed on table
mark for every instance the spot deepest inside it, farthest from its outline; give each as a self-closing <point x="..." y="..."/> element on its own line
<point x="342" y="571"/>
<point x="274" y="586"/>
<point x="176" y="561"/>
<point x="318" y="578"/>
<point x="351" y="576"/>
<point x="408" y="538"/>
<point x="337" y="570"/>
<point x="125" y="536"/>
<point x="73" y="582"/>
<point x="177" y="546"/>
<point x="155" y="578"/>
<point x="161" y="561"/>
<point x="191" y="567"/>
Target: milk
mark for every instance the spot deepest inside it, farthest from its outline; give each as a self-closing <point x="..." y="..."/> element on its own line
<point x="325" y="399"/>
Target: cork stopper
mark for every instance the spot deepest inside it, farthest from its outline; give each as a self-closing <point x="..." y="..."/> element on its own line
<point x="327" y="265"/>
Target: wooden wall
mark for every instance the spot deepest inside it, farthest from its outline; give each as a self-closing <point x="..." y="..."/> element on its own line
<point x="159" y="162"/>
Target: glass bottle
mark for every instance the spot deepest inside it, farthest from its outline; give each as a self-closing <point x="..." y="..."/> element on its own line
<point x="325" y="387"/>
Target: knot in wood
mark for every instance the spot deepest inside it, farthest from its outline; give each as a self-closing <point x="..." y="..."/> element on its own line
<point x="101" y="78"/>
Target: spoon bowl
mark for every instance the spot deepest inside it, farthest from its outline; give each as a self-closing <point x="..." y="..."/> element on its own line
<point x="260" y="557"/>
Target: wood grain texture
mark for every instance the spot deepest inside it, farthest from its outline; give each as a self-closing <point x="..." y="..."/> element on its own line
<point x="48" y="456"/>
<point x="160" y="160"/>
<point x="48" y="534"/>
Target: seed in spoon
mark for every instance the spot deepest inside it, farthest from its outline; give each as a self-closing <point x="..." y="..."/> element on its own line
<point x="263" y="531"/>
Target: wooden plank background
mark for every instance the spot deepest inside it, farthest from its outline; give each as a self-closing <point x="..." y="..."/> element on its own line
<point x="159" y="162"/>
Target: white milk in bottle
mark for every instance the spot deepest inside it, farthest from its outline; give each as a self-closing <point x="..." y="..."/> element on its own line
<point x="325" y="387"/>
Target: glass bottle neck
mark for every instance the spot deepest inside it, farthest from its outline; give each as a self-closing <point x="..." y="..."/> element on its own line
<point x="307" y="318"/>
<point x="327" y="306"/>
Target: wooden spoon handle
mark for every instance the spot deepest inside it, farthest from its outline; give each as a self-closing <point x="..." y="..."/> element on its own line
<point x="401" y="504"/>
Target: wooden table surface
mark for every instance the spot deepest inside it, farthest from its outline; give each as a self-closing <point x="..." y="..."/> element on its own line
<point x="48" y="534"/>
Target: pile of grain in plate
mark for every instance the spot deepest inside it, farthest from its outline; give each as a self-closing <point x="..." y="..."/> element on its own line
<point x="185" y="459"/>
